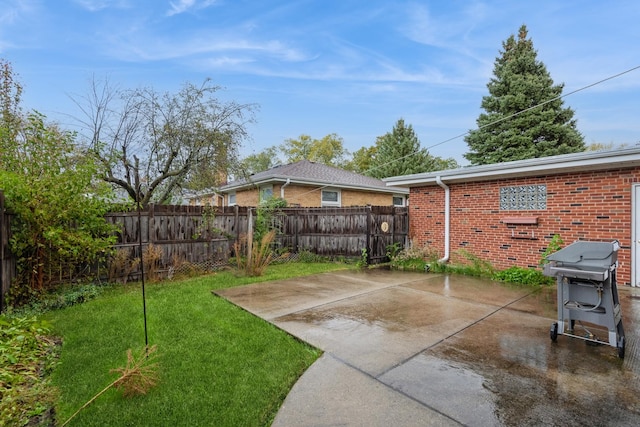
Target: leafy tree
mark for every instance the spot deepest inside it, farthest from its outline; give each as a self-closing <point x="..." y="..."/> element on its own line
<point x="59" y="209"/>
<point x="440" y="164"/>
<point x="398" y="153"/>
<point x="153" y="144"/>
<point x="10" y="96"/>
<point x="259" y="162"/>
<point x="329" y="150"/>
<point x="361" y="160"/>
<point x="599" y="146"/>
<point x="51" y="189"/>
<point x="523" y="86"/>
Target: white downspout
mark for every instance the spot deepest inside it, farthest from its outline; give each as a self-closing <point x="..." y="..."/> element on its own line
<point x="282" y="188"/>
<point x="447" y="219"/>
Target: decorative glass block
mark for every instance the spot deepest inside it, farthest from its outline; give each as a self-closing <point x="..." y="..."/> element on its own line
<point x="523" y="197"/>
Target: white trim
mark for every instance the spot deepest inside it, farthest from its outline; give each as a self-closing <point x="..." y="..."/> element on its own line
<point x="402" y="196"/>
<point x="264" y="188"/>
<point x="229" y="202"/>
<point x="309" y="182"/>
<point x="586" y="161"/>
<point x="337" y="203"/>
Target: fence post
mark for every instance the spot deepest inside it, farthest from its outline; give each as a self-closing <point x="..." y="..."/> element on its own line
<point x="393" y="226"/>
<point x="236" y="212"/>
<point x="369" y="248"/>
<point x="151" y="222"/>
<point x="296" y="243"/>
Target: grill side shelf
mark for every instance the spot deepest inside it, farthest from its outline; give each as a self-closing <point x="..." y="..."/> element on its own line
<point x="597" y="275"/>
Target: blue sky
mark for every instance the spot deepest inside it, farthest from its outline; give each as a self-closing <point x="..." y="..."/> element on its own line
<point x="330" y="66"/>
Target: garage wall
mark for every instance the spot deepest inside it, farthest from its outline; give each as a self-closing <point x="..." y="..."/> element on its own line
<point x="591" y="205"/>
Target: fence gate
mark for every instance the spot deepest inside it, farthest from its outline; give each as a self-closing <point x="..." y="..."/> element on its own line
<point x="344" y="232"/>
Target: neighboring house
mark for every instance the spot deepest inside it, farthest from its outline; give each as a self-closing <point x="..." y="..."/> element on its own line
<point x="310" y="184"/>
<point x="507" y="213"/>
<point x="204" y="198"/>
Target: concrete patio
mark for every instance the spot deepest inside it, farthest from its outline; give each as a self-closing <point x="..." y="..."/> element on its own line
<point x="409" y="349"/>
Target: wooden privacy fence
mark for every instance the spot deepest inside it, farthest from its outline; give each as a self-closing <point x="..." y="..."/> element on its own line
<point x="203" y="236"/>
<point x="198" y="234"/>
<point x="193" y="235"/>
<point x="344" y="232"/>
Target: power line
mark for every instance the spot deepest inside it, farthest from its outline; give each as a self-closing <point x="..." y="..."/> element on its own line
<point x="538" y="105"/>
<point x="614" y="76"/>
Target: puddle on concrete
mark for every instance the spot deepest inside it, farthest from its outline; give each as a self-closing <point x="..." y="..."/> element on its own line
<point x="448" y="387"/>
<point x="537" y="382"/>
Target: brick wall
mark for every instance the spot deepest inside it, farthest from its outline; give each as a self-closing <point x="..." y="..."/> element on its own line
<point x="247" y="197"/>
<point x="308" y="196"/>
<point x="361" y="198"/>
<point x="591" y="205"/>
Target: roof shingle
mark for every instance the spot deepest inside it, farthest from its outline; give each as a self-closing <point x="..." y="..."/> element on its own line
<point x="308" y="172"/>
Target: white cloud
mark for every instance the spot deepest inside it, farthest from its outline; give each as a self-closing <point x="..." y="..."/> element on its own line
<point x="98" y="5"/>
<point x="13" y="10"/>
<point x="184" y="5"/>
<point x="216" y="48"/>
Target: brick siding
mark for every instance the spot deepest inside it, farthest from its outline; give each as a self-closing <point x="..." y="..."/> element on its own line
<point x="590" y="205"/>
<point x="309" y="197"/>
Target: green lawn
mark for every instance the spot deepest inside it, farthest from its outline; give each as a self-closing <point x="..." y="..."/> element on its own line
<point x="219" y="365"/>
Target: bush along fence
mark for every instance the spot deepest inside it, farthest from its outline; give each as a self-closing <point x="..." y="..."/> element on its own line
<point x="179" y="239"/>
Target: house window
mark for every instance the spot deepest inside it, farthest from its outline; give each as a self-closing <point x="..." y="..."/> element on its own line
<point x="398" y="200"/>
<point x="330" y="198"/>
<point x="523" y="198"/>
<point x="232" y="199"/>
<point x="266" y="193"/>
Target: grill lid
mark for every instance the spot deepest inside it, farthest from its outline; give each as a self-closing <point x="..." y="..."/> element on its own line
<point x="585" y="255"/>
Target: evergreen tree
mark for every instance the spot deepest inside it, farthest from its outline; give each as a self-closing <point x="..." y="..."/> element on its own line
<point x="521" y="83"/>
<point x="398" y="153"/>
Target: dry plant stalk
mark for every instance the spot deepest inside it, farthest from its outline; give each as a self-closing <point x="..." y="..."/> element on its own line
<point x="151" y="258"/>
<point x="122" y="265"/>
<point x="262" y="254"/>
<point x="239" y="247"/>
<point x="137" y="377"/>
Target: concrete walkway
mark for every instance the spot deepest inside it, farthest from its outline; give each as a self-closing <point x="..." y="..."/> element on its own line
<point x="413" y="349"/>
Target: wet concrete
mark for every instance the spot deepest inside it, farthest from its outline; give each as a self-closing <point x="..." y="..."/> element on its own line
<point x="424" y="349"/>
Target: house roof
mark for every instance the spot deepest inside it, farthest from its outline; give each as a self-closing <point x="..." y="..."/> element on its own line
<point x="311" y="173"/>
<point x="552" y="165"/>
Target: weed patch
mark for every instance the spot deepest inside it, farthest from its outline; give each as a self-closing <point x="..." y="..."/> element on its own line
<point x="27" y="356"/>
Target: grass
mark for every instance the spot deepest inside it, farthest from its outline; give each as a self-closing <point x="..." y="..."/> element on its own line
<point x="218" y="365"/>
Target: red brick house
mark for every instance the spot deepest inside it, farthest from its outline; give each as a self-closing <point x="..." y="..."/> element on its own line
<point x="507" y="213"/>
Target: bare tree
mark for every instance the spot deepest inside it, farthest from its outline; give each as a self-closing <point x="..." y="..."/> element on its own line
<point x="152" y="144"/>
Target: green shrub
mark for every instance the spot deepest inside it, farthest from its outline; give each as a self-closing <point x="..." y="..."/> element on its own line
<point x="309" y="257"/>
<point x="523" y="276"/>
<point x="362" y="261"/>
<point x="393" y="250"/>
<point x="64" y="296"/>
<point x="471" y="265"/>
<point x="554" y="246"/>
<point x="413" y="258"/>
